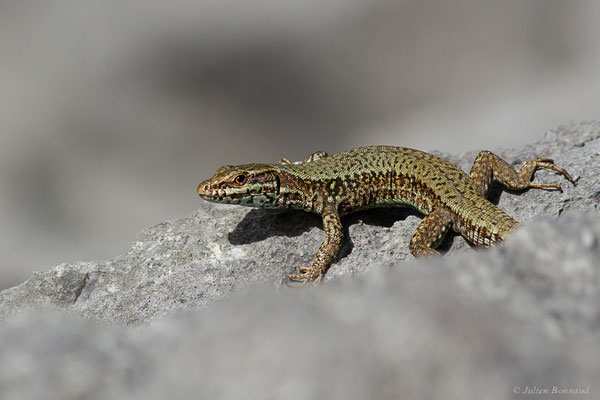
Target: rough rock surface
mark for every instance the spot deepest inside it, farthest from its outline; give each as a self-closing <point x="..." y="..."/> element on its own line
<point x="471" y="324"/>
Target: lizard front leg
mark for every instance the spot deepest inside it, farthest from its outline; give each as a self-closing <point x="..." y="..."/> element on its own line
<point x="334" y="234"/>
<point x="317" y="155"/>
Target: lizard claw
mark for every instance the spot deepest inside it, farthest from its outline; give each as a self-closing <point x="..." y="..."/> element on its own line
<point x="306" y="275"/>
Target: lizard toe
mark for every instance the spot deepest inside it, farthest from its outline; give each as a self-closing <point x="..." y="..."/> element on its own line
<point x="306" y="275"/>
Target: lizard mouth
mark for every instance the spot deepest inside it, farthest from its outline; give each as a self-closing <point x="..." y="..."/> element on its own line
<point x="241" y="197"/>
<point x="219" y="195"/>
<point x="207" y="192"/>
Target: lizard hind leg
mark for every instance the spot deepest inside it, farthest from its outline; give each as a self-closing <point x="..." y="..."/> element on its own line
<point x="488" y="166"/>
<point x="430" y="233"/>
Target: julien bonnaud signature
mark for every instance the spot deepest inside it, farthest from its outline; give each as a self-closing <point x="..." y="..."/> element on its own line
<point x="550" y="390"/>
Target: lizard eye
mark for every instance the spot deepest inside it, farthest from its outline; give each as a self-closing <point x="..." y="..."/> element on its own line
<point x="240" y="179"/>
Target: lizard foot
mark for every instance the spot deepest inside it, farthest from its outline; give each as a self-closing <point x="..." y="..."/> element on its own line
<point x="548" y="163"/>
<point x="306" y="275"/>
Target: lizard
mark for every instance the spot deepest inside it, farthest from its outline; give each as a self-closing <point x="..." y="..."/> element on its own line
<point x="382" y="176"/>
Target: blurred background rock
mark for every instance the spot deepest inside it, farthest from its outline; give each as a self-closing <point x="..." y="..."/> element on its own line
<point x="111" y="112"/>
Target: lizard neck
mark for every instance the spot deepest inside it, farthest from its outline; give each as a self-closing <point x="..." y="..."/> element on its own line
<point x="299" y="192"/>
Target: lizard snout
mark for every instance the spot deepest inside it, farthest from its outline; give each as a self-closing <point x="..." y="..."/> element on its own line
<point x="203" y="189"/>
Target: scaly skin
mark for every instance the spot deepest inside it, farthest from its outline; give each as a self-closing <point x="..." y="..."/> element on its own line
<point x="381" y="176"/>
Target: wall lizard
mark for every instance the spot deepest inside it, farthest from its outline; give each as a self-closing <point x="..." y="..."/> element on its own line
<point x="381" y="176"/>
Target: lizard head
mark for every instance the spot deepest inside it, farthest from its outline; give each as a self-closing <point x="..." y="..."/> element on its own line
<point x="255" y="185"/>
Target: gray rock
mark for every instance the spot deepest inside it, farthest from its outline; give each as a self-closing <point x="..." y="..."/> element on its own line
<point x="409" y="332"/>
<point x="197" y="306"/>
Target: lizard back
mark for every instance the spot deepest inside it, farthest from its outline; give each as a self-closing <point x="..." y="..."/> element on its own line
<point x="388" y="176"/>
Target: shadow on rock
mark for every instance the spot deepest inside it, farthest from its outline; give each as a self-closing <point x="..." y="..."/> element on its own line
<point x="258" y="225"/>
